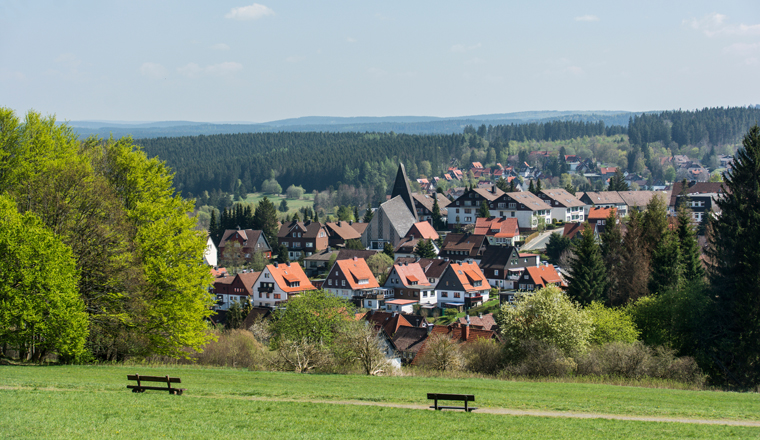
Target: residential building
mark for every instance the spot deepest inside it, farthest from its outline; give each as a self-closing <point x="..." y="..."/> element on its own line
<point x="693" y="188"/>
<point x="604" y="199"/>
<point x="237" y="246"/>
<point x="433" y="268"/>
<point x="464" y="210"/>
<point x="210" y="255"/>
<point x="564" y="206"/>
<point x="350" y="278"/>
<point x="597" y="217"/>
<point x="461" y="247"/>
<point x="503" y="265"/>
<point x="277" y="283"/>
<point x="527" y="208"/>
<point x="499" y="231"/>
<point x="303" y="238"/>
<point x="462" y="284"/>
<point x="701" y="205"/>
<point x="539" y="277"/>
<point x="409" y="282"/>
<point x="338" y="233"/>
<point x="238" y="288"/>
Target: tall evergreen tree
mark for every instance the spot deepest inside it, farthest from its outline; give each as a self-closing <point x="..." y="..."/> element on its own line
<point x="531" y="187"/>
<point x="368" y="215"/>
<point x="654" y="222"/>
<point x="265" y="219"/>
<point x="612" y="250"/>
<point x="539" y="188"/>
<point x="691" y="260"/>
<point x="617" y="182"/>
<point x="587" y="274"/>
<point x="483" y="211"/>
<point x="633" y="272"/>
<point x="666" y="266"/>
<point x="502" y="184"/>
<point x="214" y="229"/>
<point x="512" y="186"/>
<point x="436" y="216"/>
<point x="425" y="249"/>
<point x="735" y="271"/>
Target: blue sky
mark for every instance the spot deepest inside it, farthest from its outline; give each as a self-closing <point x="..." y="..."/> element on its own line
<point x="244" y="61"/>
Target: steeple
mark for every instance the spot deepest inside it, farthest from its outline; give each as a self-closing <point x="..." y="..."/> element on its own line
<point x="401" y="188"/>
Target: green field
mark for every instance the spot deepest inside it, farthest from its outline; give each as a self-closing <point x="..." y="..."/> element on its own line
<point x="93" y="402"/>
<point x="293" y="204"/>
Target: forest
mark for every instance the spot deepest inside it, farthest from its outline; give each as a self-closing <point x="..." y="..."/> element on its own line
<point x="239" y="163"/>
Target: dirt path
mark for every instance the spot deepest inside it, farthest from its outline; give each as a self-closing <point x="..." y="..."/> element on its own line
<point x="499" y="411"/>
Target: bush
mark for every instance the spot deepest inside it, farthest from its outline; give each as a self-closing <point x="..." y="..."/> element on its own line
<point x="610" y="325"/>
<point x="441" y="353"/>
<point x="540" y="359"/>
<point x="485" y="356"/>
<point x="234" y="348"/>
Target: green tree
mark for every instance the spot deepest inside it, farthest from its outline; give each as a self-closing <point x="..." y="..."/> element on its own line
<point x="345" y="213"/>
<point x="367" y="215"/>
<point x="314" y="317"/>
<point x="389" y="251"/>
<point x="425" y="249"/>
<point x="617" y="182"/>
<point x="666" y="264"/>
<point x="654" y="222"/>
<point x="40" y="308"/>
<point x="539" y="188"/>
<point x="258" y="261"/>
<point x="235" y="316"/>
<point x="691" y="260"/>
<point x="632" y="274"/>
<point x="546" y="315"/>
<point x="294" y="192"/>
<point x="436" y="215"/>
<point x="483" y="211"/>
<point x="735" y="271"/>
<point x="612" y="250"/>
<point x="354" y="243"/>
<point x="283" y="206"/>
<point x="611" y="325"/>
<point x="265" y="219"/>
<point x="502" y="184"/>
<point x="379" y="264"/>
<point x="532" y="188"/>
<point x="556" y="246"/>
<point x="588" y="277"/>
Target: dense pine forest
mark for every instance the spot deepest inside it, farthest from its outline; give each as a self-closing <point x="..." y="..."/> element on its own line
<point x="317" y="160"/>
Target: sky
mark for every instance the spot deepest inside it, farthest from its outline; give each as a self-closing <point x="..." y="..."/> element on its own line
<point x="240" y="61"/>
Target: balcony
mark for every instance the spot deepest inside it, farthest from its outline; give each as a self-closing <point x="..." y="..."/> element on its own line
<point x="266" y="289"/>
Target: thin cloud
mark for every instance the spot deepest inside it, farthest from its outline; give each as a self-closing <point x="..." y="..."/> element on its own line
<point x="717" y="24"/>
<point x="153" y="70"/>
<point x="461" y="48"/>
<point x="193" y="70"/>
<point x="587" y="18"/>
<point x="220" y="46"/>
<point x="351" y="39"/>
<point x="252" y="12"/>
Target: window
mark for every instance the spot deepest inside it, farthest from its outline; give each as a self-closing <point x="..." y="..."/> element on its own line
<point x="296" y="244"/>
<point x="285" y="243"/>
<point x="277" y="296"/>
<point x="266" y="275"/>
<point x="342" y="282"/>
<point x="513" y="213"/>
<point x="309" y="244"/>
<point x="496" y="272"/>
<point x="457" y="294"/>
<point x="444" y="294"/>
<point x="468" y="211"/>
<point x="512" y="205"/>
<point x="457" y="210"/>
<point x="329" y="282"/>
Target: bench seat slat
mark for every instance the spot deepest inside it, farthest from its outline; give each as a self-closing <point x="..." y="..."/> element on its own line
<point x="462" y="397"/>
<point x="154" y="388"/>
<point x="153" y="378"/>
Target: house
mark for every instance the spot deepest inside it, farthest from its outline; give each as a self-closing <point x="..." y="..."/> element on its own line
<point x="210" y="254"/>
<point x="464" y="209"/>
<point x="388" y="322"/>
<point x="701" y="205"/>
<point x="237" y="246"/>
<point x="423" y="230"/>
<point x="350" y="278"/>
<point x="433" y="268"/>
<point x="409" y="282"/>
<point x="338" y="233"/>
<point x="238" y="288"/>
<point x="564" y="206"/>
<point x="480" y="322"/>
<point x="573" y="231"/>
<point x="400" y="305"/>
<point x="638" y="200"/>
<point x="604" y="199"/>
<point x="409" y="341"/>
<point x="460" y="247"/>
<point x="391" y="222"/>
<point x="597" y="218"/>
<point x="462" y="284"/>
<point x="303" y="238"/>
<point x="423" y="204"/>
<point x="317" y="262"/>
<point x="539" y="277"/>
<point x="692" y="188"/>
<point x="277" y="283"/>
<point x="503" y="265"/>
<point x="499" y="231"/>
<point x="408" y="245"/>
<point x="527" y="208"/>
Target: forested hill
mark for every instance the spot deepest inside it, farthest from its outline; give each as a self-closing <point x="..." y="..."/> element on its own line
<point x="318" y="160"/>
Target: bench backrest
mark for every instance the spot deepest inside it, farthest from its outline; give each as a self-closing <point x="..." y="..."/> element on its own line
<point x="462" y="397"/>
<point x="164" y="379"/>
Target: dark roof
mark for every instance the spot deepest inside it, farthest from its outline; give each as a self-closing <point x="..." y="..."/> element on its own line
<point x="572" y="229"/>
<point x="255" y="314"/>
<point x="310" y="229"/>
<point x="401" y="188"/>
<point x="416" y="320"/>
<point x="406" y="245"/>
<point x="464" y="242"/>
<point x="695" y="188"/>
<point x="248" y="235"/>
<point x="349" y="254"/>
<point x="484" y="322"/>
<point x="410" y="339"/>
<point x="343" y="229"/>
<point x="496" y="257"/>
<point x="433" y="268"/>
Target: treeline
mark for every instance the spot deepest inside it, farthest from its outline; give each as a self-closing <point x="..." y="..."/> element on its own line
<point x="715" y="126"/>
<point x="553" y="131"/>
<point x="313" y="160"/>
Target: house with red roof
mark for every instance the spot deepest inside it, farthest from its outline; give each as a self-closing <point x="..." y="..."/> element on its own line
<point x="463" y="284"/>
<point x="350" y="278"/>
<point x="539" y="277"/>
<point x="409" y="282"/>
<point x="228" y="289"/>
<point x="499" y="231"/>
<point x="277" y="283"/>
<point x="597" y="217"/>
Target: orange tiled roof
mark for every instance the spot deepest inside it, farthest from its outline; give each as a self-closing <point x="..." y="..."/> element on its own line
<point x="505" y="227"/>
<point x="291" y="272"/>
<point x="544" y="275"/>
<point x="355" y="270"/>
<point x="468" y="273"/>
<point x="410" y="273"/>
<point x="423" y="230"/>
<point x="599" y="213"/>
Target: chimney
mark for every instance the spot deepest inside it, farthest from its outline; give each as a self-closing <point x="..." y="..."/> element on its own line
<point x="466" y="332"/>
<point x="493" y="189"/>
<point x="276" y="264"/>
<point x="480" y="315"/>
<point x="350" y="222"/>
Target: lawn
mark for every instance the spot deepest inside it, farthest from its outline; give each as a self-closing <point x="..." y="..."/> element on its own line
<point x="293" y="205"/>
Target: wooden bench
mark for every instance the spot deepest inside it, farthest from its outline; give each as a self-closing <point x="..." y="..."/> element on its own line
<point x="462" y="397"/>
<point x="140" y="388"/>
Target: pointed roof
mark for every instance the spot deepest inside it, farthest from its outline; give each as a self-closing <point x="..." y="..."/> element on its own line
<point x="401" y="188"/>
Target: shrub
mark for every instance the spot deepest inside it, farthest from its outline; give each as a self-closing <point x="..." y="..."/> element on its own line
<point x="610" y="325"/>
<point x="441" y="353"/>
<point x="541" y="359"/>
<point x="234" y="348"/>
<point x="485" y="356"/>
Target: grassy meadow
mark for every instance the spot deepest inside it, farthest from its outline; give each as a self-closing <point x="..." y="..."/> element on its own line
<point x="93" y="402"/>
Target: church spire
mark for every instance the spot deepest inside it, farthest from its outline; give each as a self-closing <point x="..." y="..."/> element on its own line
<point x="401" y="188"/>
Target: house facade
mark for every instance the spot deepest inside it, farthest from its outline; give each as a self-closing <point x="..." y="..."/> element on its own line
<point x="303" y="238"/>
<point x="228" y="289"/>
<point x="564" y="206"/>
<point x="277" y="283"/>
<point x="503" y="266"/>
<point x="528" y="209"/>
<point x="463" y="284"/>
<point x="349" y="279"/>
<point x="237" y="246"/>
<point x="464" y="210"/>
<point x="408" y="282"/>
<point x="499" y="231"/>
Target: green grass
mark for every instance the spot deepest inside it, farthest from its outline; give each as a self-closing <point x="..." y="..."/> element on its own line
<point x="551" y="396"/>
<point x="293" y="205"/>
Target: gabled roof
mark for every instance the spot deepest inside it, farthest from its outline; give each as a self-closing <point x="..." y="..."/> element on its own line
<point x="640" y="198"/>
<point x="342" y="229"/>
<point x="530" y="200"/>
<point x="604" y="198"/>
<point x="427" y="200"/>
<point x="695" y="188"/>
<point x="410" y="339"/>
<point x="291" y="272"/>
<point x="357" y="273"/>
<point x="249" y="278"/>
<point x="433" y="268"/>
<point x="218" y="272"/>
<point x="409" y="273"/>
<point x="387" y="321"/>
<point x="485" y="322"/>
<point x="572" y="229"/>
<point x="323" y="255"/>
<point x="401" y="189"/>
<point x="407" y="245"/>
<point x="468" y="274"/>
<point x="497" y="227"/>
<point x="309" y="228"/>
<point x="399" y="215"/>
<point x="489" y="194"/>
<point x="423" y="230"/>
<point x="349" y="254"/>
<point x="249" y="236"/>
<point x="255" y="314"/>
<point x="497" y="257"/>
<point x="608" y="170"/>
<point x="360" y="227"/>
<point x="563" y="197"/>
<point x="543" y="275"/>
<point x="599" y="213"/>
<point x="464" y="242"/>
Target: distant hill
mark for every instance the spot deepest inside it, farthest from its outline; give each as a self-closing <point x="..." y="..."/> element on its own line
<point x="385" y="124"/>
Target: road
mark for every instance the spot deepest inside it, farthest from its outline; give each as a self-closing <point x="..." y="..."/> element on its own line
<point x="539" y="243"/>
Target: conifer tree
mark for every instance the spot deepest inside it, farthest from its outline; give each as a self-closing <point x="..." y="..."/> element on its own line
<point x="265" y="219"/>
<point x="539" y="188"/>
<point x="532" y="188"/>
<point x="666" y="264"/>
<point x="425" y="249"/>
<point x="587" y="279"/>
<point x="502" y="184"/>
<point x="734" y="255"/>
<point x="436" y="216"/>
<point x="691" y="260"/>
<point x="612" y="249"/>
<point x="654" y="222"/>
<point x="483" y="211"/>
<point x="368" y="215"/>
<point x="633" y="272"/>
